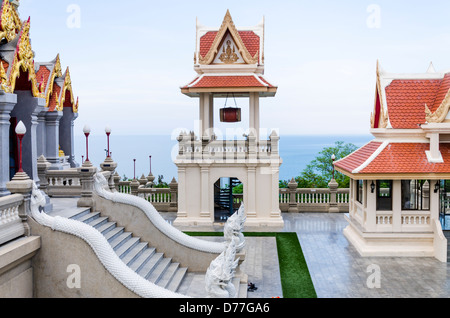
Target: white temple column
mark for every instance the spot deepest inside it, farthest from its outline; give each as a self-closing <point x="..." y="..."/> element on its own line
<point x="205" y="114"/>
<point x="204" y="204"/>
<point x="254" y="114"/>
<point x="251" y="192"/>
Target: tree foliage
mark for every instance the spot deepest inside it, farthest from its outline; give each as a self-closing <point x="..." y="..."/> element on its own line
<point x="320" y="171"/>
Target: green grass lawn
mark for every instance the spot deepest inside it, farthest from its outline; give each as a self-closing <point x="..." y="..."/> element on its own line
<point x="295" y="277"/>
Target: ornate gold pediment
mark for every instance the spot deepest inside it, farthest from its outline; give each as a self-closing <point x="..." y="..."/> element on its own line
<point x="56" y="72"/>
<point x="228" y="26"/>
<point x="66" y="87"/>
<point x="10" y="23"/>
<point x="23" y="61"/>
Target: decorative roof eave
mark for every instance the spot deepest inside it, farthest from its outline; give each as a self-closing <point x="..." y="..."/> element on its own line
<point x="10" y="23"/>
<point x="67" y="87"/>
<point x="394" y="176"/>
<point x="56" y="72"/>
<point x="383" y="118"/>
<point x="228" y="25"/>
<point x="441" y="113"/>
<point x="23" y="60"/>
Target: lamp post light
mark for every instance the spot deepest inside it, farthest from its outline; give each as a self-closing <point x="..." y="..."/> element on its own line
<point x="21" y="130"/>
<point x="333" y="158"/>
<point x="108" y="133"/>
<point x="87" y="132"/>
<point x="134" y="169"/>
<point x="150" y="164"/>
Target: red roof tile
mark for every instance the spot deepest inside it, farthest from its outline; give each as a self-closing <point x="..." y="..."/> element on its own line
<point x="359" y="157"/>
<point x="397" y="158"/>
<point x="228" y="81"/>
<point x="406" y="100"/>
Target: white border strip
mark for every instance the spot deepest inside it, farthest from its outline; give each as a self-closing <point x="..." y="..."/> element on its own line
<point x="372" y="157"/>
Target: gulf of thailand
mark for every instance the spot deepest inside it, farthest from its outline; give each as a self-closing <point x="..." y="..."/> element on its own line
<point x="296" y="152"/>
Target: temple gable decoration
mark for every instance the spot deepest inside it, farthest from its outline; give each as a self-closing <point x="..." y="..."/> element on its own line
<point x="228" y="32"/>
<point x="23" y="62"/>
<point x="10" y="23"/>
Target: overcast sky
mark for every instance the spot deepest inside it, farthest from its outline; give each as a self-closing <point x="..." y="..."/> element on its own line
<point x="128" y="59"/>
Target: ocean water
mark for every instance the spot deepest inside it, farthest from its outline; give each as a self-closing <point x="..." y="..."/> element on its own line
<point x="296" y="152"/>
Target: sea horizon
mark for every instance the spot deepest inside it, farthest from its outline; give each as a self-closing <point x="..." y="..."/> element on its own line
<point x="296" y="151"/>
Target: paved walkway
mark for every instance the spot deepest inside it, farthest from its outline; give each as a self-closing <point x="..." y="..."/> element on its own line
<point x="338" y="271"/>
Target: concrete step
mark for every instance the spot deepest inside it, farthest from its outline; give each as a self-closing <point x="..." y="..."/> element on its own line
<point x="127" y="246"/>
<point x="120" y="240"/>
<point x="150" y="265"/>
<point x="168" y="274"/>
<point x="98" y="222"/>
<point x="139" y="256"/>
<point x="134" y="253"/>
<point x="159" y="270"/>
<point x="142" y="260"/>
<point x="108" y="226"/>
<point x="111" y="235"/>
<point x="86" y="218"/>
<point x="177" y="279"/>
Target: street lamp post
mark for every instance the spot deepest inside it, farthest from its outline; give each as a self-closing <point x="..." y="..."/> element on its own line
<point x="87" y="132"/>
<point x="150" y="164"/>
<point x="134" y="160"/>
<point x="333" y="158"/>
<point x="21" y="130"/>
<point x="108" y="133"/>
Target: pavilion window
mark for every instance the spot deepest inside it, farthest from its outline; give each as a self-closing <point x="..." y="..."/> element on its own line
<point x="359" y="191"/>
<point x="384" y="195"/>
<point x="416" y="195"/>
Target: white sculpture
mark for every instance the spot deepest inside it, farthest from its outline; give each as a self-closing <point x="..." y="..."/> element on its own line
<point x="220" y="274"/>
<point x="234" y="228"/>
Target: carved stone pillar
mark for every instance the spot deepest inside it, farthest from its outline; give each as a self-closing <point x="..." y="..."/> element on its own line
<point x="7" y="103"/>
<point x="87" y="172"/>
<point x="333" y="185"/>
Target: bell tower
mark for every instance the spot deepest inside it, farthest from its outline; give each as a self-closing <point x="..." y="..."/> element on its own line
<point x="229" y="63"/>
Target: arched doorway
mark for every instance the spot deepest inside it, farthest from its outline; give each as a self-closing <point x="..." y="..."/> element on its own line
<point x="228" y="196"/>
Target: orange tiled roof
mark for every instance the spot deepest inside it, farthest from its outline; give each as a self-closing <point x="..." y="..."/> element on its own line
<point x="397" y="158"/>
<point x="228" y="81"/>
<point x="357" y="158"/>
<point x="406" y="100"/>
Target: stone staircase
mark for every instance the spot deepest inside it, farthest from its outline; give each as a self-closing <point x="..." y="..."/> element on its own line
<point x="138" y="255"/>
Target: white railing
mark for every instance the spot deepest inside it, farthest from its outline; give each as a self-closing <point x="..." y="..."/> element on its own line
<point x="63" y="183"/>
<point x="313" y="200"/>
<point x="11" y="224"/>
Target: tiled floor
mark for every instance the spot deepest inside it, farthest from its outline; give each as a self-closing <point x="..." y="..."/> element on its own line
<point x="338" y="271"/>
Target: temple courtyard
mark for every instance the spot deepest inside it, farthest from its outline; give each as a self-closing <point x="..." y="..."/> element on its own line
<point x="336" y="268"/>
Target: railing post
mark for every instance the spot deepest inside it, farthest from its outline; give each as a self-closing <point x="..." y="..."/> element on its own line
<point x="43" y="165"/>
<point x="87" y="172"/>
<point x="116" y="178"/>
<point x="293" y="207"/>
<point x="173" y="196"/>
<point x="333" y="206"/>
<point x="134" y="186"/>
<point x="22" y="184"/>
<point x="110" y="165"/>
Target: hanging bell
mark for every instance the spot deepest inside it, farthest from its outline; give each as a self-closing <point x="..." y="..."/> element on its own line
<point x="230" y="114"/>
